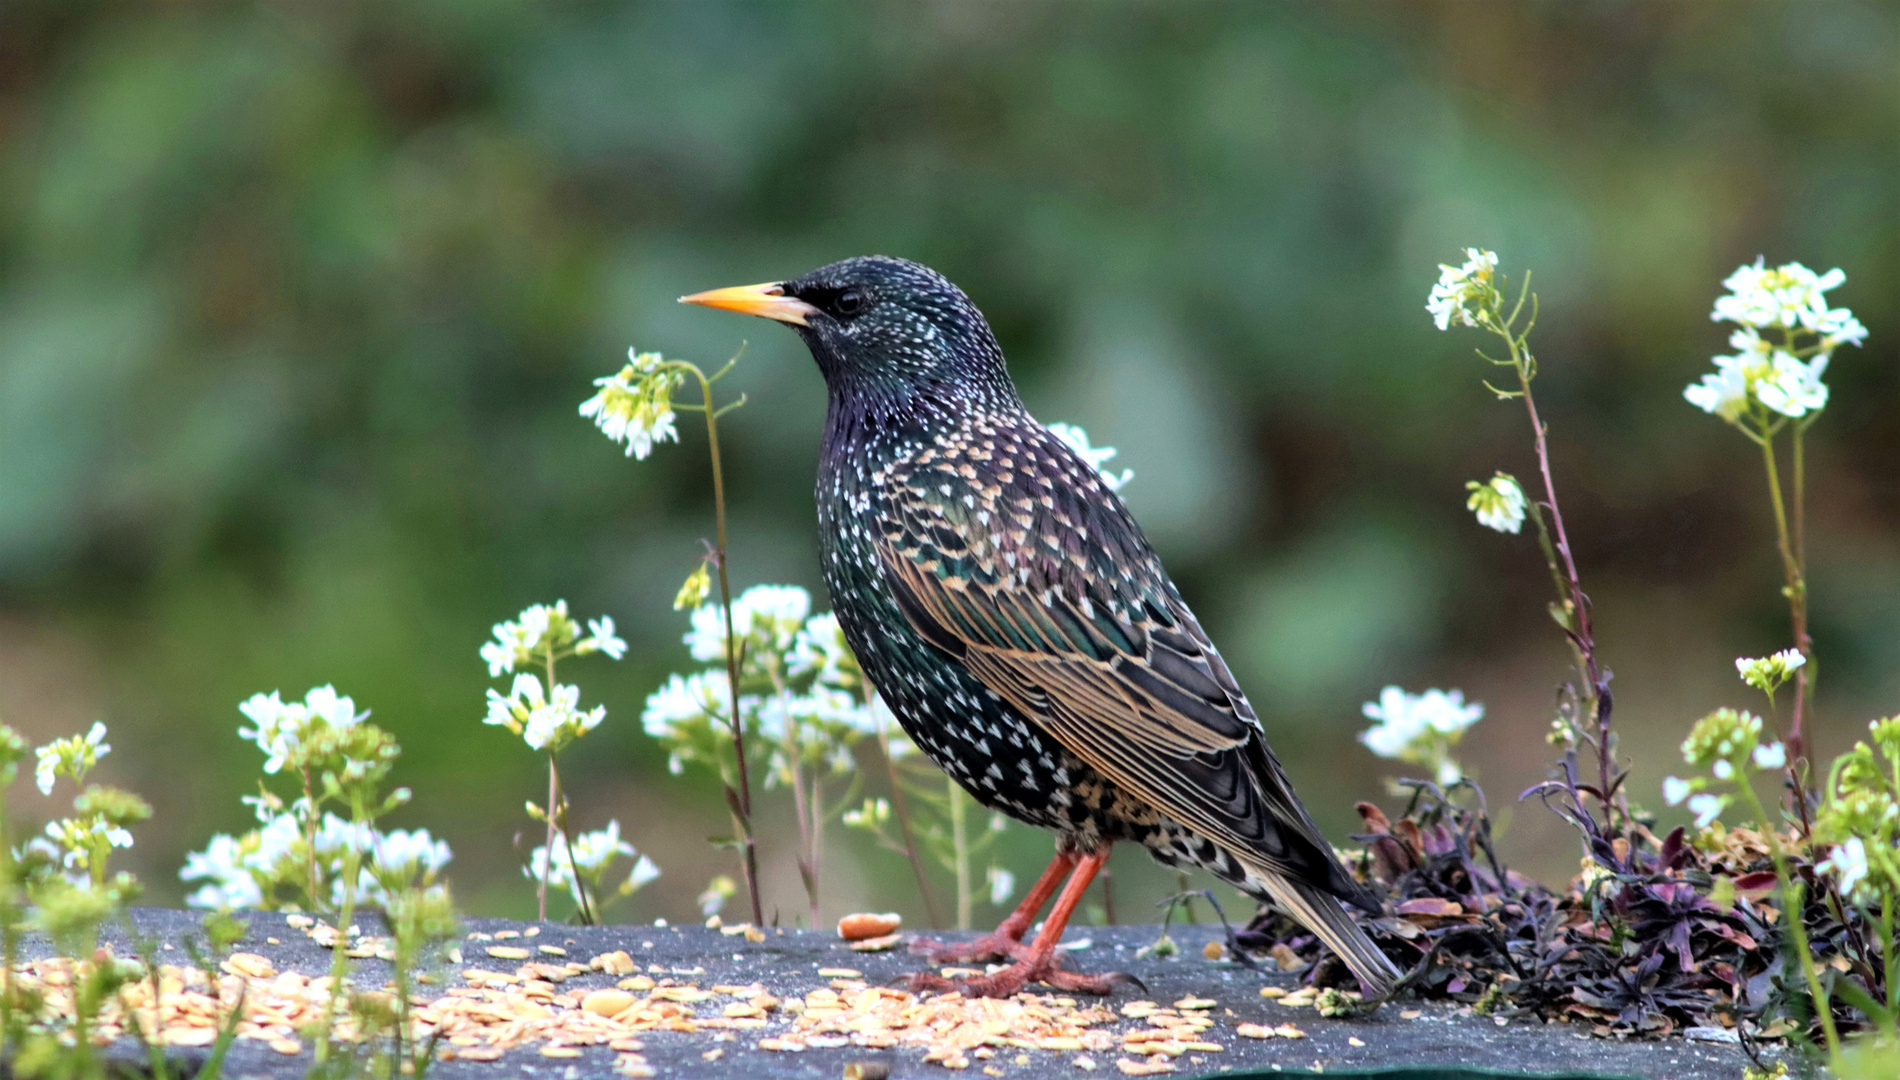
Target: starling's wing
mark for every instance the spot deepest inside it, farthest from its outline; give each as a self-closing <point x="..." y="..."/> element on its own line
<point x="1008" y="553"/>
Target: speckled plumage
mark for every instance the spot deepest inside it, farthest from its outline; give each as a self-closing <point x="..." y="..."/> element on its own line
<point x="1016" y="621"/>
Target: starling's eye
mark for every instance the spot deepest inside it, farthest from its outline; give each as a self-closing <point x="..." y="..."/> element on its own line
<point x="848" y="303"/>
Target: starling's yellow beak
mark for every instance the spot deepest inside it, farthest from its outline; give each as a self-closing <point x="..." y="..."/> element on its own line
<point x="768" y="300"/>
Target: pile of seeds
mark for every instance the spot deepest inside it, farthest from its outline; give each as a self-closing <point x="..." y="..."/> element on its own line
<point x="957" y="1032"/>
<point x="515" y="992"/>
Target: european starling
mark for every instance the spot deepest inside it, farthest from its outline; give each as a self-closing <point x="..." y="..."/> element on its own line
<point x="1007" y="607"/>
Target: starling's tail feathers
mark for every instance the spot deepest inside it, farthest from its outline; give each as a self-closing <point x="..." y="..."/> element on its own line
<point x="1320" y="912"/>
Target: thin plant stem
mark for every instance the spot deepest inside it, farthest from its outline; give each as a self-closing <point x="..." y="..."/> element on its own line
<point x="1792" y="908"/>
<point x="310" y="836"/>
<point x="547" y="864"/>
<point x="340" y="947"/>
<point x="743" y="818"/>
<point x="1558" y="552"/>
<point x="586" y="907"/>
<point x="1796" y="587"/>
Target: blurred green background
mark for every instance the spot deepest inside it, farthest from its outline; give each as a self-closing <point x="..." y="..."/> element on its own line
<point x="298" y="300"/>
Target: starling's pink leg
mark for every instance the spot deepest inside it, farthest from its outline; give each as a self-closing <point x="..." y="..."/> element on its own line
<point x="1038" y="962"/>
<point x="1006" y="940"/>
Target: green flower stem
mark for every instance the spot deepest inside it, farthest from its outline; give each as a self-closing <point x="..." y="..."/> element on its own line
<point x="1788" y="542"/>
<point x="310" y="837"/>
<point x="743" y="818"/>
<point x="588" y="915"/>
<point x="1792" y="907"/>
<point x="547" y="864"/>
<point x="557" y="818"/>
<point x="340" y="949"/>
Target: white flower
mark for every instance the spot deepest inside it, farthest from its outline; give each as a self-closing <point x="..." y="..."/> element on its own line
<point x="1706" y="808"/>
<point x="1499" y="503"/>
<point x="1771" y="756"/>
<point x="683" y="700"/>
<point x="594" y="854"/>
<point x="1675" y="790"/>
<point x="601" y="639"/>
<point x="544" y="722"/>
<point x="1847" y="864"/>
<point x="1459" y="286"/>
<point x="74" y="756"/>
<point x="1404" y="717"/>
<point x="595" y="851"/>
<point x="1789" y="297"/>
<point x="644" y="870"/>
<point x="284" y="728"/>
<point x="766" y="617"/>
<point x="1722" y="769"/>
<point x="402" y="856"/>
<point x="1096" y="456"/>
<point x="635" y="405"/>
<point x="540" y="627"/>
<point x="820" y="649"/>
<point x="1767" y="673"/>
<point x="76" y="837"/>
<point x="1793" y="388"/>
<point x="1002" y="884"/>
<point x="228" y="884"/>
<point x="1723" y="393"/>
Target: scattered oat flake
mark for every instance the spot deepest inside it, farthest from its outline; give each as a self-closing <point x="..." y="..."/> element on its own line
<point x="507" y="952"/>
<point x="1083" y="1061"/>
<point x="554" y="1050"/>
<point x="877" y="944"/>
<point x="553" y="950"/>
<point x="1151" y="1067"/>
<point x="286" y="1046"/>
<point x="1354" y="1040"/>
<point x="1195" y="1003"/>
<point x="1411" y="1014"/>
<point x="840" y="973"/>
<point x="1271" y="992"/>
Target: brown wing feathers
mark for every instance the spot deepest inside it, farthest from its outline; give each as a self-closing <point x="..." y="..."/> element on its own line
<point x="1058" y="605"/>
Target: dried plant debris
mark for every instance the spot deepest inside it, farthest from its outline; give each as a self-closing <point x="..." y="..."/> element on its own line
<point x="1634" y="945"/>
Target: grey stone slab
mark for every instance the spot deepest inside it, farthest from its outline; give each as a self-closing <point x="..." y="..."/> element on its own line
<point x="787" y="962"/>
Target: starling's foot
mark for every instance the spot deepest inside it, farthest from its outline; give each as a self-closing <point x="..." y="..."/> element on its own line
<point x="1013" y="979"/>
<point x="995" y="945"/>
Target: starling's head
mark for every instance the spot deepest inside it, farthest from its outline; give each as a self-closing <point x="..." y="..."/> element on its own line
<point x="881" y="326"/>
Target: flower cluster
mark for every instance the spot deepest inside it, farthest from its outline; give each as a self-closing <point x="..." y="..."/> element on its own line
<point x="1421" y="728"/>
<point x="635" y="404"/>
<point x="74" y="756"/>
<point x="1499" y="502"/>
<point x="289" y="732"/>
<point x="267" y="867"/>
<point x="82" y="843"/>
<point x="545" y="723"/>
<point x="297" y="856"/>
<point x="1859" y="819"/>
<point x="1463" y="292"/>
<point x="1727" y="742"/>
<point x="1768" y="673"/>
<point x="1779" y="376"/>
<point x="545" y="630"/>
<point x="799" y="687"/>
<point x="592" y="856"/>
<point x="1096" y="456"/>
<point x="546" y="715"/>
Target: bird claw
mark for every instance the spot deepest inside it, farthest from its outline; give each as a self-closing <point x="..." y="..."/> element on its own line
<point x="991" y="946"/>
<point x="1011" y="981"/>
